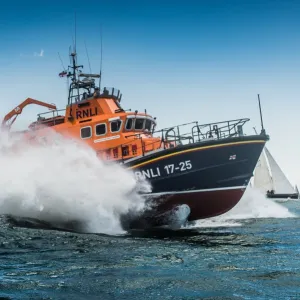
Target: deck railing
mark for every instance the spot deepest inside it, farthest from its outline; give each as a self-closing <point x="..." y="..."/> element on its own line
<point x="175" y="136"/>
<point x="53" y="112"/>
<point x="194" y="132"/>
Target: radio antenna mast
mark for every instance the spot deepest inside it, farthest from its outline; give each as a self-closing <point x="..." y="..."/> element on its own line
<point x="62" y="64"/>
<point x="100" y="58"/>
<point x="75" y="34"/>
<point x="64" y="69"/>
<point x="87" y="54"/>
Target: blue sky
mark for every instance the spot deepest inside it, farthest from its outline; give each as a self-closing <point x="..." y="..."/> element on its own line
<point x="182" y="60"/>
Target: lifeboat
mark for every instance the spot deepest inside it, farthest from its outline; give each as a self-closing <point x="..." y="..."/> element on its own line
<point x="203" y="167"/>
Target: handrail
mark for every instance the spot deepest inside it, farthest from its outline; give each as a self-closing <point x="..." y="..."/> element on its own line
<point x="49" y="112"/>
<point x="228" y="123"/>
<point x="171" y="136"/>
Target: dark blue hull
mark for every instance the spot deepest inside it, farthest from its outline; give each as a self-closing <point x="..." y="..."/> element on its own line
<point x="210" y="176"/>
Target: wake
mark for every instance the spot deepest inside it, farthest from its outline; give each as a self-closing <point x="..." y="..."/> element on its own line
<point x="253" y="205"/>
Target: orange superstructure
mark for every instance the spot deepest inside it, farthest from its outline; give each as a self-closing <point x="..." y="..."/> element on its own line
<point x="97" y="118"/>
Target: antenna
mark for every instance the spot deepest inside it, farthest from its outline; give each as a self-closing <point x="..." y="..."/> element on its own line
<point x="100" y="58"/>
<point x="87" y="54"/>
<point x="62" y="64"/>
<point x="70" y="51"/>
<point x="64" y="69"/>
<point x="75" y="34"/>
<point x="261" y="119"/>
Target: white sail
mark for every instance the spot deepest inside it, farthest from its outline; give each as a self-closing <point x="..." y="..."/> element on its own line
<point x="280" y="182"/>
<point x="262" y="178"/>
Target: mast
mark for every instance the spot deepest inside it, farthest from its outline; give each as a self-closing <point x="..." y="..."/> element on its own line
<point x="100" y="59"/>
<point x="263" y="132"/>
<point x="74" y="84"/>
<point x="77" y="84"/>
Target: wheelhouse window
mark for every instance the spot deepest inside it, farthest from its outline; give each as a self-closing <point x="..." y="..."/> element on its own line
<point x="100" y="129"/>
<point x="115" y="125"/>
<point x="139" y="124"/>
<point x="143" y="124"/>
<point x="129" y="123"/>
<point x="148" y="124"/>
<point x="86" y="132"/>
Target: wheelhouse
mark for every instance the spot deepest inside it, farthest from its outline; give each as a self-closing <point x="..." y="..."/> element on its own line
<point x="140" y="123"/>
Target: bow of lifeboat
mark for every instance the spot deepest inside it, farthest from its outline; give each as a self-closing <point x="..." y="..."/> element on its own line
<point x="209" y="174"/>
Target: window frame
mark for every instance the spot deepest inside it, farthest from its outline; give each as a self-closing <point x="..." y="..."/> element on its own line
<point x="84" y="138"/>
<point x="114" y="121"/>
<point x="134" y="117"/>
<point x="127" y="119"/>
<point x="144" y="122"/>
<point x="151" y="124"/>
<point x="105" y="129"/>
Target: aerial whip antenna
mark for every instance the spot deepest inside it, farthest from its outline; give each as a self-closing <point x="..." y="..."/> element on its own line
<point x="64" y="70"/>
<point x="100" y="58"/>
<point x="62" y="64"/>
<point x="87" y="54"/>
<point x="70" y="48"/>
<point x="70" y="51"/>
<point x="75" y="34"/>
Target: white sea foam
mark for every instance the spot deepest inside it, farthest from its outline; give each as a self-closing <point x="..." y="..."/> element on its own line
<point x="63" y="181"/>
<point x="252" y="205"/>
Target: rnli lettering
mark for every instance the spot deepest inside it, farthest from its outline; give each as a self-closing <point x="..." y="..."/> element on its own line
<point x="86" y="113"/>
<point x="164" y="171"/>
<point x="147" y="174"/>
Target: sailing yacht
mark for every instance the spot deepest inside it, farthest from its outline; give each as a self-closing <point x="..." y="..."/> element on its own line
<point x="270" y="179"/>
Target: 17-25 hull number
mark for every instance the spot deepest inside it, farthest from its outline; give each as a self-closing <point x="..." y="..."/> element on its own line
<point x="164" y="171"/>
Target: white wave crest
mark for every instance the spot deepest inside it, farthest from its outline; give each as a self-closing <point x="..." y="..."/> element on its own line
<point x="64" y="180"/>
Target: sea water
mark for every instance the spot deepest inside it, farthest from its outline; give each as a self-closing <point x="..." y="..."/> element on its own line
<point x="251" y="252"/>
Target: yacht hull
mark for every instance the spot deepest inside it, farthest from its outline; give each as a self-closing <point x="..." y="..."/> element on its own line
<point x="283" y="196"/>
<point x="210" y="177"/>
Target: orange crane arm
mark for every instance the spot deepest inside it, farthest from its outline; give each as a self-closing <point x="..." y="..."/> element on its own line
<point x="18" y="110"/>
